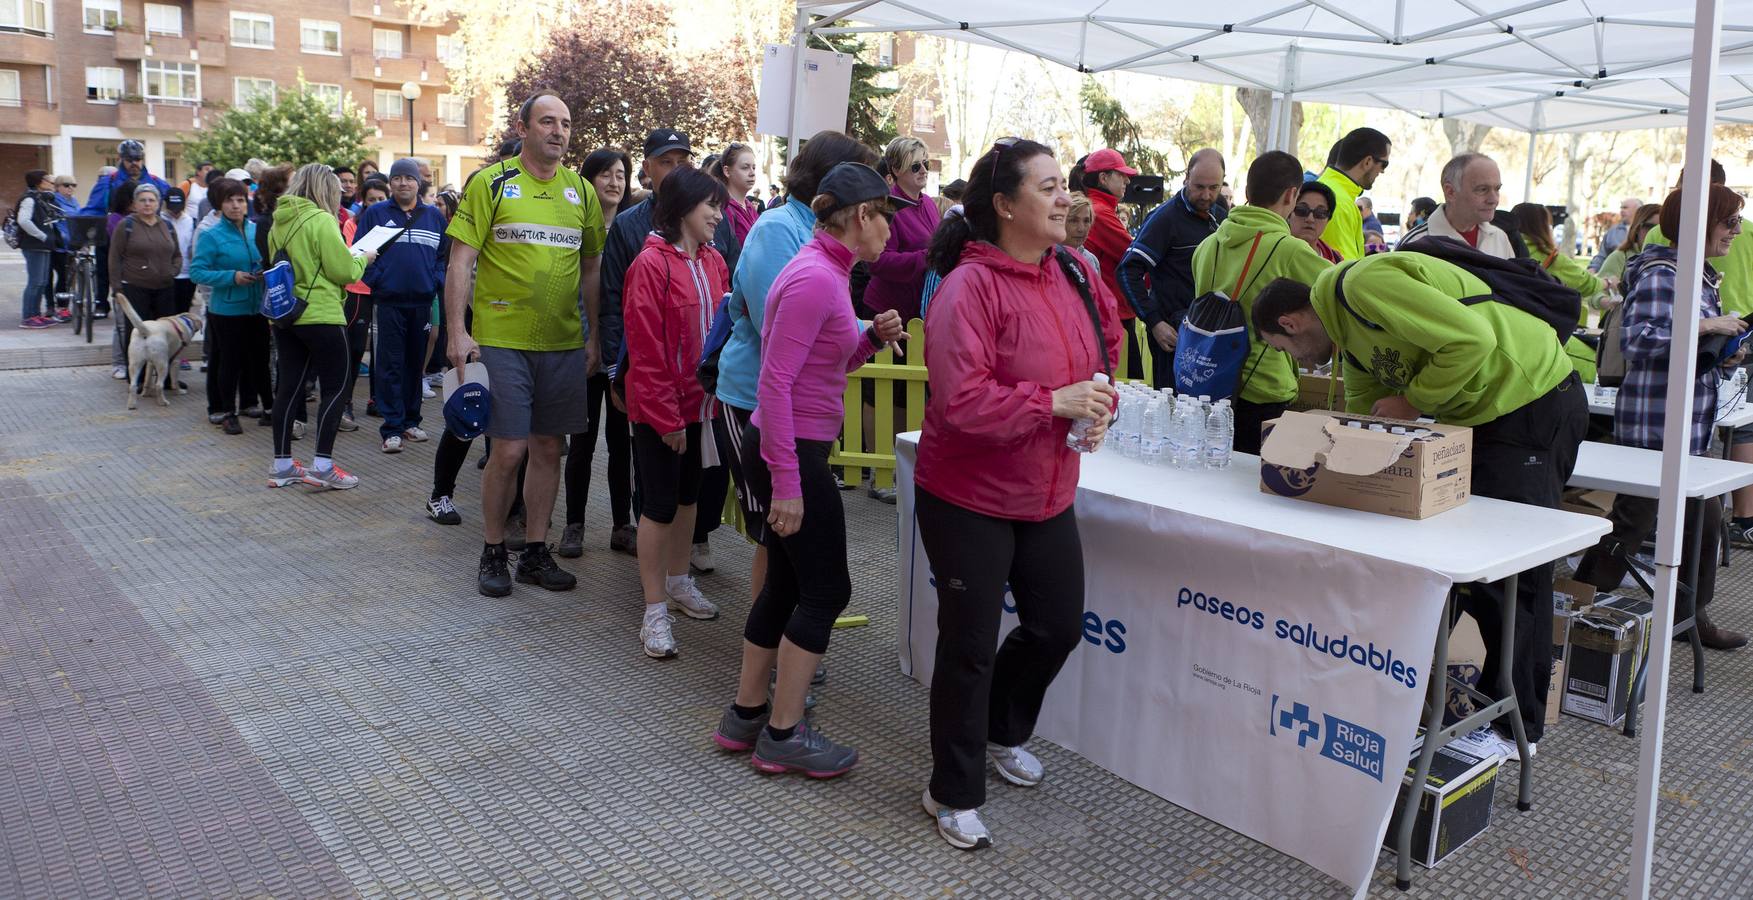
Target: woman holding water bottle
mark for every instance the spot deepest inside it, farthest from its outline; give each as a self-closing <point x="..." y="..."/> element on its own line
<point x="1012" y="347"/>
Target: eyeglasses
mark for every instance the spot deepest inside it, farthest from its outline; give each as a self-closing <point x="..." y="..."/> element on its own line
<point x="1303" y="212"/>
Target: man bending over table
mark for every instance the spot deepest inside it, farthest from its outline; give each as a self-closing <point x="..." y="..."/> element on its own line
<point x="1413" y="349"/>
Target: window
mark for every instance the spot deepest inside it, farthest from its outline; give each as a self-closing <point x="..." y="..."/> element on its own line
<point x="252" y="30"/>
<point x="387" y="104"/>
<point x="924" y="112"/>
<point x="246" y="90"/>
<point x="316" y="36"/>
<point x="329" y="94"/>
<point x="102" y="16"/>
<point x="103" y="84"/>
<point x="886" y="52"/>
<point x="29" y="16"/>
<point x="450" y="48"/>
<point x="453" y="109"/>
<point x="170" y="81"/>
<point x="9" y="95"/>
<point x="386" y="43"/>
<point x="162" y="19"/>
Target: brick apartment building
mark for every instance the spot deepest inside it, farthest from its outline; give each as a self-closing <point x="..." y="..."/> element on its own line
<point x="77" y="76"/>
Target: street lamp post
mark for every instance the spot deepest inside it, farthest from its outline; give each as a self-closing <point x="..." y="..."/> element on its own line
<point x="411" y="92"/>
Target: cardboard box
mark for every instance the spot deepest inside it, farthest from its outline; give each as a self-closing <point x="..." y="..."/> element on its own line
<point x="1608" y="641"/>
<point x="1336" y="459"/>
<point x="1455" y="805"/>
<point x="1466" y="664"/>
<point x="1313" y="390"/>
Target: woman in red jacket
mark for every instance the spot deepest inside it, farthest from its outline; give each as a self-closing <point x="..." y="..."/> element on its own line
<point x="1105" y="179"/>
<point x="1011" y="350"/>
<point x="672" y="290"/>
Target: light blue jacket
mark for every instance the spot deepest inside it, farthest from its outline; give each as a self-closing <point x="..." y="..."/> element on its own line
<point x="776" y="238"/>
<point x="220" y="252"/>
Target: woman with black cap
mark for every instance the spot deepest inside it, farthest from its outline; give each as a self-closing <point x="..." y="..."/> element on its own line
<point x="811" y="340"/>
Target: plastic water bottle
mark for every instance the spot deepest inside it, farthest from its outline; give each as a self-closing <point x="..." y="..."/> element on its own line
<point x="1219" y="434"/>
<point x="1151" y="434"/>
<point x="1075" y="437"/>
<point x="1191" y="426"/>
<point x="1131" y="438"/>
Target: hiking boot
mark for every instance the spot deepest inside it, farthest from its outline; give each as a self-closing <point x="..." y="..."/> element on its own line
<point x="229" y="426"/>
<point x="686" y="596"/>
<point x="442" y="511"/>
<point x="571" y="543"/>
<point x="1018" y="766"/>
<point x="807" y="751"/>
<point x="495" y="573"/>
<point x="625" y="539"/>
<point x="736" y="733"/>
<point x="535" y="565"/>
<point x="700" y="558"/>
<point x="962" y="828"/>
<point x="656" y="634"/>
<point x="334" y="478"/>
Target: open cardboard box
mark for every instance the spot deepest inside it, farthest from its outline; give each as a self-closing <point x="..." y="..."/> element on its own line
<point x="1336" y="459"/>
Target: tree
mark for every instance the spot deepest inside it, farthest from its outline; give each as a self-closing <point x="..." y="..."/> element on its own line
<point x="1119" y="131"/>
<point x="1464" y="137"/>
<point x="620" y="78"/>
<point x="300" y="129"/>
<point x="1257" y="103"/>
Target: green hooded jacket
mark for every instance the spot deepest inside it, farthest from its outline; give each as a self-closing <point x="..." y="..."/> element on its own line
<point x="1463" y="364"/>
<point x="320" y="258"/>
<point x="1269" y="376"/>
<point x="1344" y="231"/>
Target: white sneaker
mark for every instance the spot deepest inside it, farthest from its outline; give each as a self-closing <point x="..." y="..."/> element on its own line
<point x="119" y="373"/>
<point x="690" y="601"/>
<point x="1018" y="766"/>
<point x="962" y="828"/>
<point x="392" y="444"/>
<point x="297" y="430"/>
<point x="415" y="434"/>
<point x="700" y="558"/>
<point x="426" y="390"/>
<point x="655" y="633"/>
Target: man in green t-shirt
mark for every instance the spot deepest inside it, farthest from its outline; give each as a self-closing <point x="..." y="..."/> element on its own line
<point x="532" y="231"/>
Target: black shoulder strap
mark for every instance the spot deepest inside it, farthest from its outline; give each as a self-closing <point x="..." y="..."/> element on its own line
<point x="1339" y="294"/>
<point x="1075" y="272"/>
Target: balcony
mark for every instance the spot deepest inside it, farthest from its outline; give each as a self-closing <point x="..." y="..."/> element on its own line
<point x="29" y="49"/>
<point x="157" y="115"/>
<point x="395" y="70"/>
<point x="206" y="49"/>
<point x="29" y="117"/>
<point x="390" y="11"/>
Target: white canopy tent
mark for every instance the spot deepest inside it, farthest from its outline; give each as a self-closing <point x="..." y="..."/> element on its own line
<point x="1534" y="65"/>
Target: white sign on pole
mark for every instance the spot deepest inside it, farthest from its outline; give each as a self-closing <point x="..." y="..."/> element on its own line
<point x="827" y="89"/>
<point x="1269" y="684"/>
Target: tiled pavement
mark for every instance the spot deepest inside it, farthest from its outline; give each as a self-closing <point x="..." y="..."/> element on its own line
<point x="208" y="688"/>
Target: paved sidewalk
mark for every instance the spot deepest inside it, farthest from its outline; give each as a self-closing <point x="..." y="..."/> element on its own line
<point x="208" y="688"/>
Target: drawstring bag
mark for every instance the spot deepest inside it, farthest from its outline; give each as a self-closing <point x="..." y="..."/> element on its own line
<point x="1213" y="341"/>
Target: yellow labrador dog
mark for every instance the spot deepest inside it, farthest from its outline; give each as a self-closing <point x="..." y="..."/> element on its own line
<point x="154" y="349"/>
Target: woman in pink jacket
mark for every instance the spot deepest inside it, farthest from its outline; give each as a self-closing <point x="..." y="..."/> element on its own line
<point x="810" y="340"/>
<point x="672" y="290"/>
<point x="1011" y="348"/>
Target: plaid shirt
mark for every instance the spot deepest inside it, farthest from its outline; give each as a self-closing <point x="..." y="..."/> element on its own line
<point x="1646" y="335"/>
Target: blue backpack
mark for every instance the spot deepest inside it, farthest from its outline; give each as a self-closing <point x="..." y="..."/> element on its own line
<point x="713" y="346"/>
<point x="281" y="305"/>
<point x="1213" y="340"/>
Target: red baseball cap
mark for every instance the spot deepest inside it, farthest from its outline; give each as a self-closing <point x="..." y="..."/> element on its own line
<point x="1108" y="160"/>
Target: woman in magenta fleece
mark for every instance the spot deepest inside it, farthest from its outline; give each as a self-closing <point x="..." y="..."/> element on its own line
<point x="811" y="339"/>
<point x="897" y="277"/>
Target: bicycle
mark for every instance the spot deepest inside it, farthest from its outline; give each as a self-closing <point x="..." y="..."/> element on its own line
<point x="83" y="233"/>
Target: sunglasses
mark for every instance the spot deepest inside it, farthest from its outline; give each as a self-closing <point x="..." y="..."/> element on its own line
<point x="998" y="148"/>
<point x="1303" y="212"/>
<point x="1732" y="222"/>
<point x="917" y="168"/>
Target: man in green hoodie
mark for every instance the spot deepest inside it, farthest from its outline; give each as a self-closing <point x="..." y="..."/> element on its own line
<point x="1412" y="348"/>
<point x="1251" y="249"/>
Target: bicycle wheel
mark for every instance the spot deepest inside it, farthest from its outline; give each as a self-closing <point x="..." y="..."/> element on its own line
<point x="76" y="305"/>
<point x="88" y="304"/>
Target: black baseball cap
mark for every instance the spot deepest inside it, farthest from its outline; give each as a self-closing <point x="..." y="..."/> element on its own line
<point x="851" y="183"/>
<point x="175" y="198"/>
<point x="663" y="140"/>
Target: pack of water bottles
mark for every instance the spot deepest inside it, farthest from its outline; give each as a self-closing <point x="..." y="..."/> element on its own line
<point x="1159" y="428"/>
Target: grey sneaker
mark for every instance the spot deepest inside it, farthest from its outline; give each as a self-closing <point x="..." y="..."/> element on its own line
<point x="279" y="478"/>
<point x="657" y="635"/>
<point x="700" y="558"/>
<point x="335" y="478"/>
<point x="1018" y="766"/>
<point x="514" y="533"/>
<point x="885" y="495"/>
<point x="347" y="423"/>
<point x="962" y="828"/>
<point x="736" y="733"/>
<point x="807" y="750"/>
<point x="625" y="539"/>
<point x="690" y="601"/>
<point x="571" y="543"/>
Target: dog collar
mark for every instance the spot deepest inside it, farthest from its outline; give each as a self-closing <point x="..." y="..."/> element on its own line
<point x="186" y="327"/>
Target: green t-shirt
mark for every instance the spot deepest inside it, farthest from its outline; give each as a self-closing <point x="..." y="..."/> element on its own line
<point x="532" y="235"/>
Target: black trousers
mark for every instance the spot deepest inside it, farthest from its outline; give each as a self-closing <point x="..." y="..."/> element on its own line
<point x="358" y="309"/>
<point x="1525" y="456"/>
<point x="808" y="582"/>
<point x="237" y="364"/>
<point x="307" y="351"/>
<point x="185" y="294"/>
<point x="1634" y="520"/>
<point x="1162" y="373"/>
<point x="61" y="271"/>
<point x="978" y="695"/>
<point x="612" y="423"/>
<point x="1249" y="417"/>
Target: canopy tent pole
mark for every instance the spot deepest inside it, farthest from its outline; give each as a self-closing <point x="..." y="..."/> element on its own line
<point x="1287" y="122"/>
<point x="799" y="43"/>
<point x="1700" y="117"/>
<point x="1533" y="141"/>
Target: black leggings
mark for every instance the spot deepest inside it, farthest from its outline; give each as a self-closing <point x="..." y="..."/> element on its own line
<point x="307" y="351"/>
<point x="612" y="423"/>
<point x="808" y="583"/>
<point x="667" y="479"/>
<point x="357" y="308"/>
<point x="978" y="695"/>
<point x="238" y="363"/>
